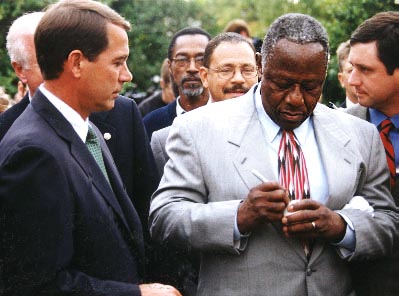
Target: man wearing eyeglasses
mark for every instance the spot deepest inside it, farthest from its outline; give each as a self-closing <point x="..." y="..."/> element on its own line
<point x="185" y="55"/>
<point x="226" y="73"/>
<point x="229" y="73"/>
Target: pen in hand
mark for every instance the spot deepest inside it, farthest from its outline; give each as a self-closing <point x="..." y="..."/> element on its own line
<point x="259" y="176"/>
<point x="332" y="105"/>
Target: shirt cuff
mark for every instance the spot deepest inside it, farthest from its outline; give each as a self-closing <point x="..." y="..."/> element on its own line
<point x="240" y="240"/>
<point x="347" y="245"/>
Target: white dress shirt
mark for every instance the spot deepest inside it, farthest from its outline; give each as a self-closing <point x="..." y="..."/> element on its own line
<point x="179" y="108"/>
<point x="318" y="181"/>
<point x="80" y="126"/>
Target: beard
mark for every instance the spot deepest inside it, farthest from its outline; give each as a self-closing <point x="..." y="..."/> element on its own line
<point x="191" y="86"/>
<point x="192" y="93"/>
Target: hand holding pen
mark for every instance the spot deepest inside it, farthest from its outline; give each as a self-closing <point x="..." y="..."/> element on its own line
<point x="264" y="203"/>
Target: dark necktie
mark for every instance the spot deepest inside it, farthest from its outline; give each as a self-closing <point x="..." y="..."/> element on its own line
<point x="385" y="127"/>
<point x="94" y="147"/>
<point x="293" y="174"/>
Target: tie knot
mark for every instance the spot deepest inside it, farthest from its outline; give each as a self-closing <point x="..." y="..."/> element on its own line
<point x="385" y="126"/>
<point x="287" y="133"/>
<point x="289" y="137"/>
<point x="91" y="135"/>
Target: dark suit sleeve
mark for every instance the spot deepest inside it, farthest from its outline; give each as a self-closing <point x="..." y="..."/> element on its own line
<point x="145" y="174"/>
<point x="37" y="224"/>
<point x="8" y="117"/>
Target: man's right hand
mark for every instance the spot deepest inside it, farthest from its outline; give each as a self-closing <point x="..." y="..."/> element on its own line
<point x="156" y="289"/>
<point x="264" y="203"/>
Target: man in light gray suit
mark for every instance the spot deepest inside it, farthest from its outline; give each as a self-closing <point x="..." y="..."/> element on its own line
<point x="220" y="192"/>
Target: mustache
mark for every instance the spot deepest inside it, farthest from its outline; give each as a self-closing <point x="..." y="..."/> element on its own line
<point x="235" y="88"/>
<point x="190" y="78"/>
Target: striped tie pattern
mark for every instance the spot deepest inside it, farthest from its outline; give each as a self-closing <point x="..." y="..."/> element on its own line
<point x="293" y="174"/>
<point x="94" y="147"/>
<point x="385" y="127"/>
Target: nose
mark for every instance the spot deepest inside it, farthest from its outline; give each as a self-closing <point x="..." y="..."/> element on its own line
<point x="192" y="67"/>
<point x="354" y="78"/>
<point x="237" y="76"/>
<point x="295" y="96"/>
<point x="125" y="74"/>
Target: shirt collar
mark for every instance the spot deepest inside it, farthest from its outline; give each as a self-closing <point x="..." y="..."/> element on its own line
<point x="272" y="130"/>
<point x="80" y="126"/>
<point x="376" y="117"/>
<point x="179" y="108"/>
<point x="348" y="102"/>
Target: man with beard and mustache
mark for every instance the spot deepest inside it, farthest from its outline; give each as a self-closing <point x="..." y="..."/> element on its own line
<point x="220" y="75"/>
<point x="185" y="57"/>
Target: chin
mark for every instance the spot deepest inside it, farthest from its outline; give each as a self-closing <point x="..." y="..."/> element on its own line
<point x="290" y="125"/>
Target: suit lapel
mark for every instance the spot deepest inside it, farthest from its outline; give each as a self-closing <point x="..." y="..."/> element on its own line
<point x="340" y="162"/>
<point x="127" y="212"/>
<point x="171" y="111"/>
<point x="252" y="154"/>
<point x="100" y="120"/>
<point x="247" y="135"/>
<point x="78" y="149"/>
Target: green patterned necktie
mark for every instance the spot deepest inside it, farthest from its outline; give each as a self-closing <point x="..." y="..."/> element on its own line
<point x="94" y="147"/>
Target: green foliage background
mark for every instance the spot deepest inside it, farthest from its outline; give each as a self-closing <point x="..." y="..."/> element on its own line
<point x="155" y="21"/>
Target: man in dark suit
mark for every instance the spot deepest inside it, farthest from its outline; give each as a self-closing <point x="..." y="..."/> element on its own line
<point x="185" y="57"/>
<point x="374" y="56"/>
<point x="67" y="225"/>
<point x="121" y="127"/>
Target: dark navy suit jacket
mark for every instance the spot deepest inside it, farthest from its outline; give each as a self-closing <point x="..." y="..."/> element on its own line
<point x="127" y="142"/>
<point x="8" y="117"/>
<point x="124" y="133"/>
<point x="160" y="118"/>
<point x="64" y="229"/>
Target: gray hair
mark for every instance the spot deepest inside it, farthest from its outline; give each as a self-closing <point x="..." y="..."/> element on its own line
<point x="22" y="27"/>
<point x="295" y="27"/>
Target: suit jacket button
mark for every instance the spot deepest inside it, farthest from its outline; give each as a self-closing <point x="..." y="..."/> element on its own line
<point x="107" y="136"/>
<point x="308" y="272"/>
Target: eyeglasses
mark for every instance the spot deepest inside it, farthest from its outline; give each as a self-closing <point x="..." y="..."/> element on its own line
<point x="229" y="72"/>
<point x="185" y="61"/>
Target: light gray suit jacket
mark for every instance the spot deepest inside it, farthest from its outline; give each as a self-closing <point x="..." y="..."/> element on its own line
<point x="377" y="277"/>
<point x="212" y="151"/>
<point x="158" y="143"/>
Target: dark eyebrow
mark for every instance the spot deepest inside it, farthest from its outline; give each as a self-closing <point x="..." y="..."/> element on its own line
<point x="121" y="58"/>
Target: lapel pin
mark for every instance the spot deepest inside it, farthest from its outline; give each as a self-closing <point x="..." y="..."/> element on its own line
<point x="107" y="136"/>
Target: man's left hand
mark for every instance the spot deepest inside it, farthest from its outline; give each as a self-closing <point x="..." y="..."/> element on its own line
<point x="311" y="219"/>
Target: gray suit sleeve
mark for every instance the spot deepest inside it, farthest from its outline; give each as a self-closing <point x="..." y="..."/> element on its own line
<point x="374" y="234"/>
<point x="158" y="149"/>
<point x="180" y="211"/>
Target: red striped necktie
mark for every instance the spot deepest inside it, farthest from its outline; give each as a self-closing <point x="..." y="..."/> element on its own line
<point x="293" y="174"/>
<point x="385" y="127"/>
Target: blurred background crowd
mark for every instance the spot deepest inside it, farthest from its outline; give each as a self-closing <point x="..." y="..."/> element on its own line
<point x="155" y="21"/>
